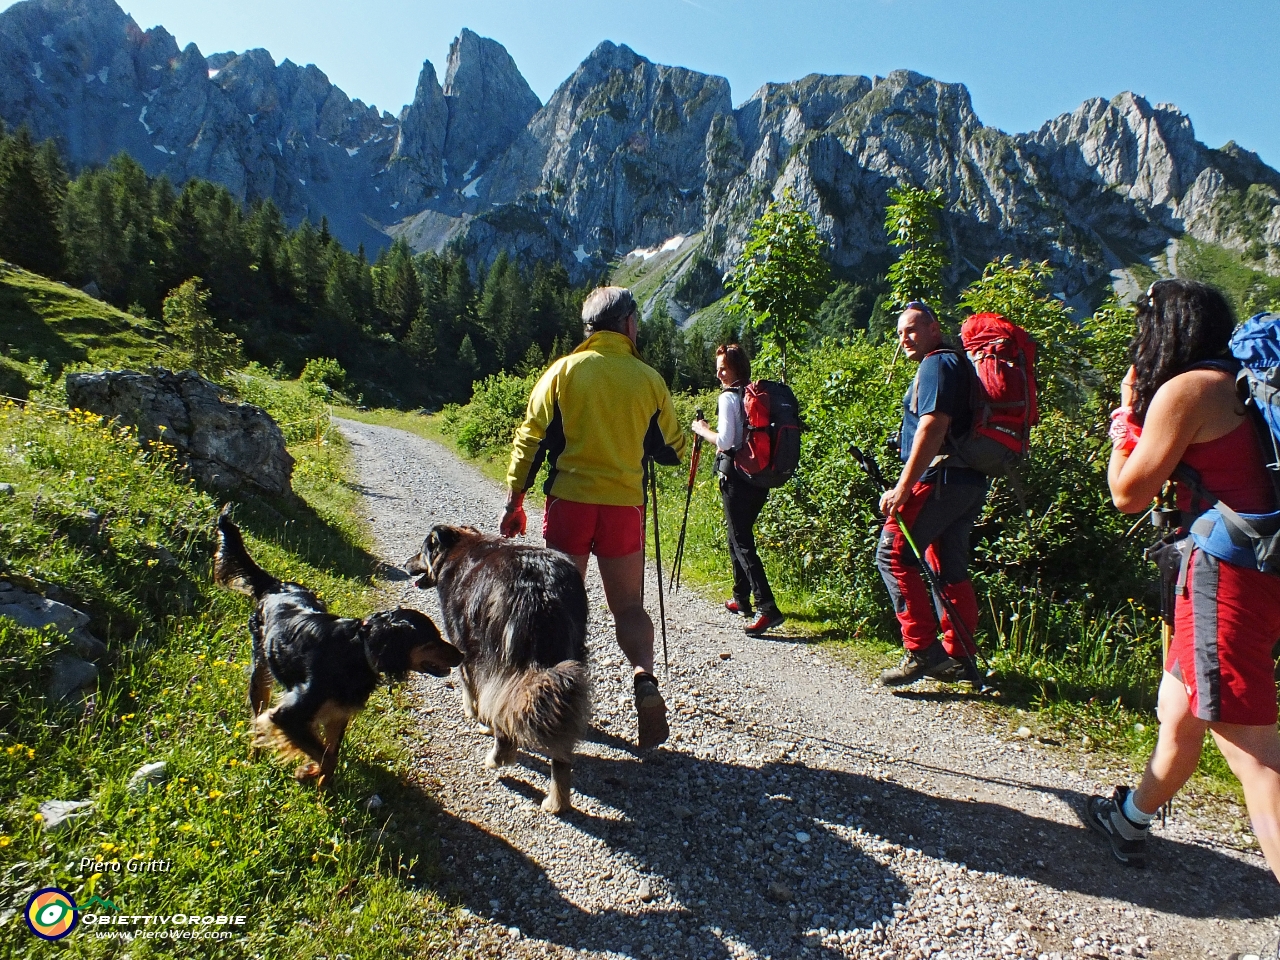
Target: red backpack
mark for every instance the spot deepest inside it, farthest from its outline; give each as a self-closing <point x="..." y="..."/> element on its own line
<point x="1004" y="395"/>
<point x="770" y="450"/>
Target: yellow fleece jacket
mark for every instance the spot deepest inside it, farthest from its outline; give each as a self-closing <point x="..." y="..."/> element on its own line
<point x="593" y="416"/>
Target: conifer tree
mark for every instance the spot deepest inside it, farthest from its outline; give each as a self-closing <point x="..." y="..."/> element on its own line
<point x="29" y="234"/>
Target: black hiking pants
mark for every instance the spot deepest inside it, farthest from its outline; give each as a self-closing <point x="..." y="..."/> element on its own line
<point x="742" y="505"/>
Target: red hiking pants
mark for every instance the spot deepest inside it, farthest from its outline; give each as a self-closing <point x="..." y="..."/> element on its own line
<point x="941" y="515"/>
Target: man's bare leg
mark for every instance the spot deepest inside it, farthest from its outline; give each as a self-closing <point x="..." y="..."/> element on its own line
<point x="623" y="579"/>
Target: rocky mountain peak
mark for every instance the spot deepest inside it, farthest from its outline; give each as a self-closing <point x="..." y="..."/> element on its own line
<point x="419" y="150"/>
<point x="488" y="101"/>
<point x="628" y="156"/>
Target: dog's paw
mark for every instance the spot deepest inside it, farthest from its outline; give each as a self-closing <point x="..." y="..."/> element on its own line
<point x="501" y="755"/>
<point x="308" y="771"/>
<point x="553" y="804"/>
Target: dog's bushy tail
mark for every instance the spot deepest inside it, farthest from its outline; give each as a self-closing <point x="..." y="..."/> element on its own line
<point x="544" y="709"/>
<point x="233" y="568"/>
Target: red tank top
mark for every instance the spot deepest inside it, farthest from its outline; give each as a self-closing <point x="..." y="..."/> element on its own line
<point x="1232" y="468"/>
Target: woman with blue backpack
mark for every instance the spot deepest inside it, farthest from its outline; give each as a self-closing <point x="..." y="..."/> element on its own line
<point x="1182" y="417"/>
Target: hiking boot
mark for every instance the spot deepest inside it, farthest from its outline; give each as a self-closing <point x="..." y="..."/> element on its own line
<point x="651" y="710"/>
<point x="764" y="623"/>
<point x="733" y="606"/>
<point x="1128" y="839"/>
<point x="916" y="664"/>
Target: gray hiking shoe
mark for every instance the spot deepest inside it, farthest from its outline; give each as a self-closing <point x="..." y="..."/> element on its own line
<point x="1128" y="839"/>
<point x="915" y="665"/>
<point x="651" y="711"/>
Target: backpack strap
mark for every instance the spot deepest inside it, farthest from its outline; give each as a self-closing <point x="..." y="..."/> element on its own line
<point x="1242" y="532"/>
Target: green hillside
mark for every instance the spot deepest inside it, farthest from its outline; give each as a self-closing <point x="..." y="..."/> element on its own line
<point x="46" y="326"/>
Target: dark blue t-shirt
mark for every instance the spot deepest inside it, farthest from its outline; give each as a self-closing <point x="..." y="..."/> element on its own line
<point x="941" y="385"/>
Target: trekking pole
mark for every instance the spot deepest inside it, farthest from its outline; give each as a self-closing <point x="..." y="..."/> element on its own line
<point x="893" y="363"/>
<point x="678" y="562"/>
<point x="931" y="576"/>
<point x="657" y="556"/>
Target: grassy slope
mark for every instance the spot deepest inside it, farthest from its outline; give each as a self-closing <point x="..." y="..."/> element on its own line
<point x="317" y="876"/>
<point x="42" y="320"/>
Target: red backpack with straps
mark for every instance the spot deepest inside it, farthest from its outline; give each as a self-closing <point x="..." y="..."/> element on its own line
<point x="1004" y="400"/>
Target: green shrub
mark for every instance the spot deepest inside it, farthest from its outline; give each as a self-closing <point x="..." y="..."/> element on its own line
<point x="488" y="423"/>
<point x="324" y="371"/>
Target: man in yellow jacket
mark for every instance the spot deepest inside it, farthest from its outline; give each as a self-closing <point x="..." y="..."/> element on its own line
<point x="595" y="416"/>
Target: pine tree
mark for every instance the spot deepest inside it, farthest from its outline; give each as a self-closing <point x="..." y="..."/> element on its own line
<point x="29" y="234"/>
<point x="197" y="343"/>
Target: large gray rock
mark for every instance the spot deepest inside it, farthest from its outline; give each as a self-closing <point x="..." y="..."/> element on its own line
<point x="69" y="676"/>
<point x="225" y="444"/>
<point x="57" y="814"/>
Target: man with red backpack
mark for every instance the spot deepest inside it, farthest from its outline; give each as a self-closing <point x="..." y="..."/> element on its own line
<point x="938" y="497"/>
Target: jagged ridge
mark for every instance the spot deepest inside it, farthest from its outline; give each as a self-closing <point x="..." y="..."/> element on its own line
<point x="627" y="153"/>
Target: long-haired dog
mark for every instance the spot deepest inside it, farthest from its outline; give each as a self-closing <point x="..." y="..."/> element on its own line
<point x="518" y="613"/>
<point x="327" y="665"/>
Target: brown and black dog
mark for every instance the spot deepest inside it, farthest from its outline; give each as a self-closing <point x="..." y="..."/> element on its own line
<point x="328" y="665"/>
<point x="518" y="613"/>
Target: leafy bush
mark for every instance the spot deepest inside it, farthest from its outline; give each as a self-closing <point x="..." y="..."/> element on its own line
<point x="489" y="421"/>
<point x="324" y="371"/>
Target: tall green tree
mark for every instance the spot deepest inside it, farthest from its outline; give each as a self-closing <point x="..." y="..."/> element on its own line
<point x="197" y="343"/>
<point x="29" y="234"/>
<point x="912" y="222"/>
<point x="780" y="279"/>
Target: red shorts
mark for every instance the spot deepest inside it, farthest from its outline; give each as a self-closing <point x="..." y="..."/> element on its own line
<point x="1226" y="623"/>
<point x="581" y="528"/>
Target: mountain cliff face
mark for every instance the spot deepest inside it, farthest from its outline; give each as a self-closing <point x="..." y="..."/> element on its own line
<point x="629" y="157"/>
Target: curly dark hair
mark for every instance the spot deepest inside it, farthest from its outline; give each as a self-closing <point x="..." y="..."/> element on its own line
<point x="1180" y="323"/>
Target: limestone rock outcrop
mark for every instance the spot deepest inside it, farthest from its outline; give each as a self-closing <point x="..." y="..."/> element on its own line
<point x="224" y="443"/>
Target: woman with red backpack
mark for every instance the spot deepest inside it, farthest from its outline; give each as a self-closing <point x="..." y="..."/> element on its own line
<point x="1180" y="409"/>
<point x="742" y="500"/>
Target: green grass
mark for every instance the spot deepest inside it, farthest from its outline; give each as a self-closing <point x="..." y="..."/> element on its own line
<point x="46" y="326"/>
<point x="315" y="875"/>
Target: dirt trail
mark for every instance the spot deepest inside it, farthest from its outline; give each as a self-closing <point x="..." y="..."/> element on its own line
<point x="798" y="810"/>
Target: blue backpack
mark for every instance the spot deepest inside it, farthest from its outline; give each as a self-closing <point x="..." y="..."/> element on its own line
<point x="1248" y="539"/>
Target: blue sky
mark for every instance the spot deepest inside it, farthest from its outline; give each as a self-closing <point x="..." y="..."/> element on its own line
<point x="1023" y="62"/>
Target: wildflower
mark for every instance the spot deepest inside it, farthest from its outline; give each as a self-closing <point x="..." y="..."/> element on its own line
<point x="215" y="844"/>
<point x="5" y="841"/>
<point x="185" y="827"/>
<point x="38" y="818"/>
<point x="215" y="794"/>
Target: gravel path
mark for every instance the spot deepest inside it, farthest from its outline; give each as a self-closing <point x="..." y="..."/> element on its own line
<point x="797" y="811"/>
